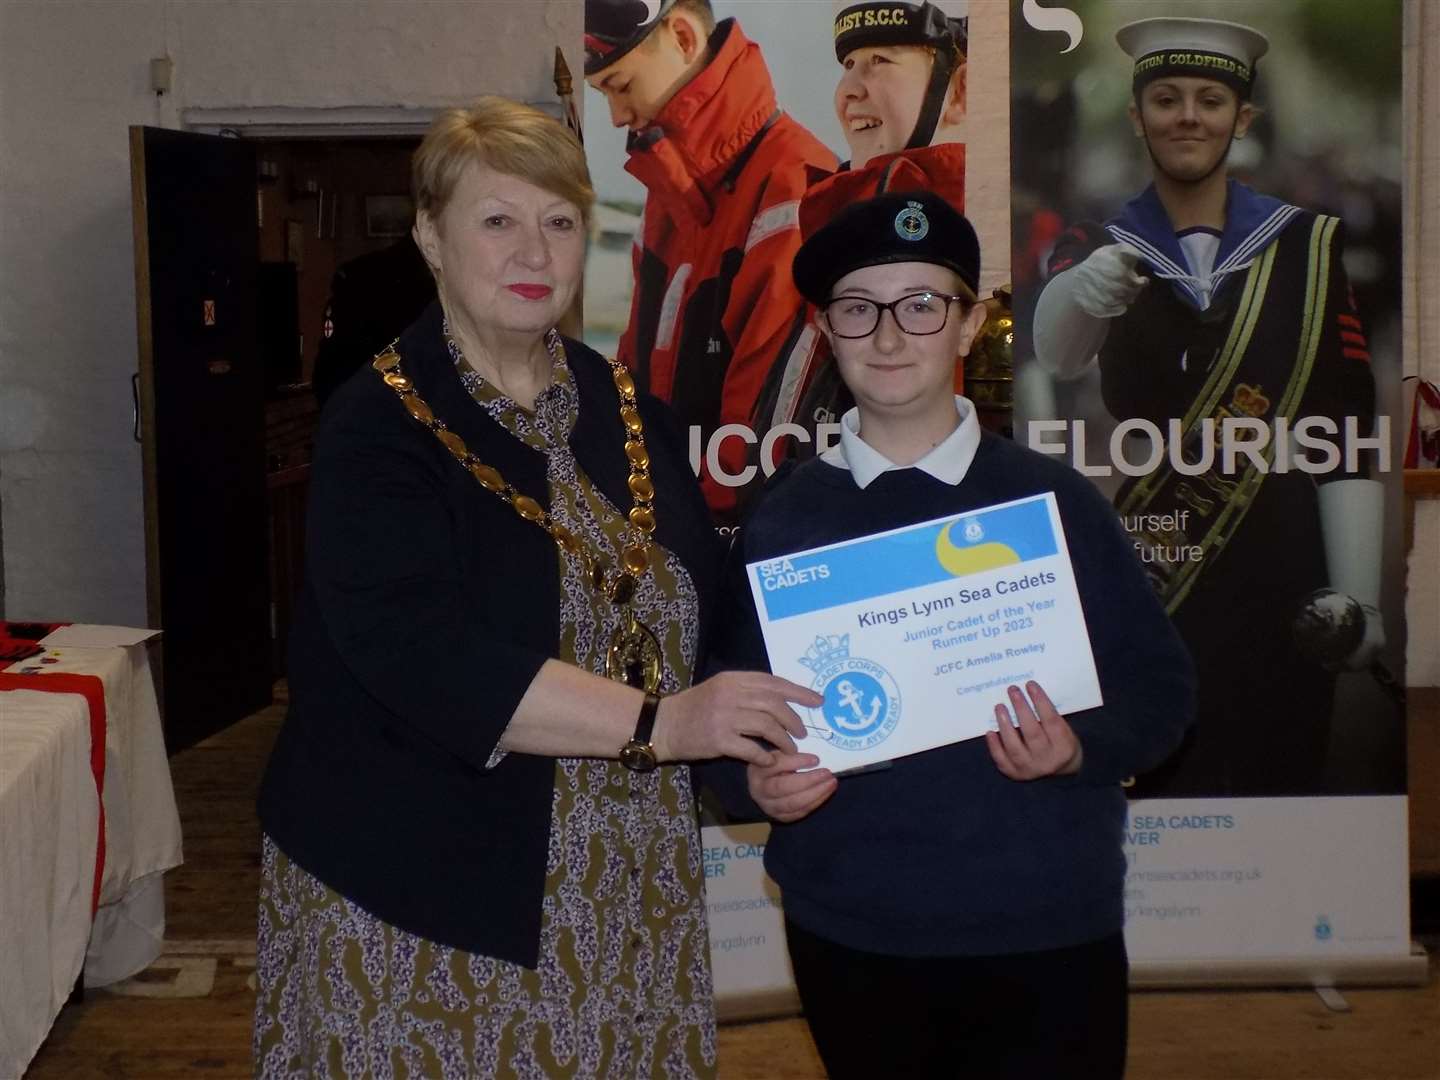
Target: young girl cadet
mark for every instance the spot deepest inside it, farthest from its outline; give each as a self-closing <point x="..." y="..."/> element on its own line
<point x="958" y="913"/>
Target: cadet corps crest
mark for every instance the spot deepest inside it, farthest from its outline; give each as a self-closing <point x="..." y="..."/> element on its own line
<point x="911" y="223"/>
<point x="862" y="701"/>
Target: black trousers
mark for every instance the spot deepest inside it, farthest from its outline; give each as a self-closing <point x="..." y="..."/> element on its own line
<point x="1060" y="1014"/>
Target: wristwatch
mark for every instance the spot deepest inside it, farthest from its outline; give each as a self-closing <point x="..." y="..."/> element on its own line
<point x="638" y="755"/>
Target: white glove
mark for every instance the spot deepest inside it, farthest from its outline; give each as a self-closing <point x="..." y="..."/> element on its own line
<point x="1072" y="316"/>
<point x="1106" y="284"/>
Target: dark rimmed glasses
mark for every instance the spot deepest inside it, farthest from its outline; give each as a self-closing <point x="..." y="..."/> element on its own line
<point x="919" y="313"/>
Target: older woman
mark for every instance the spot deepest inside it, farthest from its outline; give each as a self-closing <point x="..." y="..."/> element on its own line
<point x="479" y="857"/>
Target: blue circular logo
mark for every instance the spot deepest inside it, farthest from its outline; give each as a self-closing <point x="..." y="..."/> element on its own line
<point x="861" y="702"/>
<point x="856" y="705"/>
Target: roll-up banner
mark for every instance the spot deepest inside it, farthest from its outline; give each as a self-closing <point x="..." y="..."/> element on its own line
<point x="1244" y="432"/>
<point x="1207" y="266"/>
<point x="688" y="277"/>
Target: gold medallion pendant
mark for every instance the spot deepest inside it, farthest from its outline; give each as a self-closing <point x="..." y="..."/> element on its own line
<point x="634" y="656"/>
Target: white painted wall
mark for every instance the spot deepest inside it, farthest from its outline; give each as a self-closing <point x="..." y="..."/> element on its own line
<point x="73" y="77"/>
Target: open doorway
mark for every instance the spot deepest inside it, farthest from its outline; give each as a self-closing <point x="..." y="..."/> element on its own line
<point x="237" y="241"/>
<point x="321" y="204"/>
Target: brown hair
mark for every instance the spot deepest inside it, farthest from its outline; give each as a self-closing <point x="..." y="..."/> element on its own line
<point x="700" y="10"/>
<point x="507" y="136"/>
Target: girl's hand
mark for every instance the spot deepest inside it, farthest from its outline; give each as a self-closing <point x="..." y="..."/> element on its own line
<point x="785" y="794"/>
<point x="1043" y="744"/>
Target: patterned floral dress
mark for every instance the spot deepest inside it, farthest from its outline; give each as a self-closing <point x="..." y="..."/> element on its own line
<point x="623" y="985"/>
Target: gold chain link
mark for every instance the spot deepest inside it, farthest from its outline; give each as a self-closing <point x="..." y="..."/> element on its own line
<point x="634" y="558"/>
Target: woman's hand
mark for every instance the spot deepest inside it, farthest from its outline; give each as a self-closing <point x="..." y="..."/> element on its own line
<point x="725" y="715"/>
<point x="785" y="794"/>
<point x="1043" y="745"/>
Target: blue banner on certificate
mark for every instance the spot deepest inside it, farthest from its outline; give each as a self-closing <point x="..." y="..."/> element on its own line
<point x="913" y="635"/>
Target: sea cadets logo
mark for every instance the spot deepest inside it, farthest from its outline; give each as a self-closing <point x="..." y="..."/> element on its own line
<point x="911" y="223"/>
<point x="862" y="701"/>
<point x="1060" y="20"/>
<point x="963" y="548"/>
<point x="784" y="574"/>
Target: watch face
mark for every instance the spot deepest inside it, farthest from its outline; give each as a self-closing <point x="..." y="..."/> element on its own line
<point x="637" y="756"/>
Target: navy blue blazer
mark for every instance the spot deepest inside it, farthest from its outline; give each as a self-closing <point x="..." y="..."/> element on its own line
<point x="428" y="608"/>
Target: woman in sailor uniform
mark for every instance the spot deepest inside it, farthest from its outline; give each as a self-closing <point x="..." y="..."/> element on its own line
<point x="1208" y="307"/>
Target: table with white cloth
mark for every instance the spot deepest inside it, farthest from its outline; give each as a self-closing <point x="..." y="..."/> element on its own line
<point x="56" y="827"/>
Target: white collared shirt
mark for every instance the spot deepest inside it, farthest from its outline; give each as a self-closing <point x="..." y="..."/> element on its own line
<point x="948" y="462"/>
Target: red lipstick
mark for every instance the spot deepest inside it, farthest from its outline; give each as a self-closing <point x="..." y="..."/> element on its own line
<point x="529" y="291"/>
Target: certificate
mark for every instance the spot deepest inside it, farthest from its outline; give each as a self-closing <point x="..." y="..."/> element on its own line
<point x="913" y="635"/>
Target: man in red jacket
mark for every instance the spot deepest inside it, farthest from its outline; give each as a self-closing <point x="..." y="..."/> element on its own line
<point x="724" y="169"/>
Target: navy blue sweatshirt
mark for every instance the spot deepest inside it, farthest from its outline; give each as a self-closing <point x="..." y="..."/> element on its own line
<point x="941" y="854"/>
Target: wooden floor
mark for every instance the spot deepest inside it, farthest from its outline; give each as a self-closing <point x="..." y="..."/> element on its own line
<point x="189" y="1014"/>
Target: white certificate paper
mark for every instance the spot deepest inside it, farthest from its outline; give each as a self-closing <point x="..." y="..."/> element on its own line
<point x="913" y="635"/>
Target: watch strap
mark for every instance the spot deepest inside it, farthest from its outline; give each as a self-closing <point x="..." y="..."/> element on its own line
<point x="645" y="723"/>
<point x="638" y="755"/>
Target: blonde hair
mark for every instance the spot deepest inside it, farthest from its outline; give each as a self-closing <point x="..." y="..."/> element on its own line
<point x="507" y="136"/>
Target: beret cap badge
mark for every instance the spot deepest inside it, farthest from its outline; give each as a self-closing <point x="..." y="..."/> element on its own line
<point x="914" y="226"/>
<point x="911" y="223"/>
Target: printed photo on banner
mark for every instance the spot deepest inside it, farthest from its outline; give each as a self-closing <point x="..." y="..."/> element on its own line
<point x="1206" y="263"/>
<point x="707" y="125"/>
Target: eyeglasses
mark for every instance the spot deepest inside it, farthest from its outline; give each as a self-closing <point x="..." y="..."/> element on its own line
<point x="918" y="314"/>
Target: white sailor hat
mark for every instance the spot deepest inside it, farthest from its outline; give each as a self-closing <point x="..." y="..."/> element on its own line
<point x="1203" y="48"/>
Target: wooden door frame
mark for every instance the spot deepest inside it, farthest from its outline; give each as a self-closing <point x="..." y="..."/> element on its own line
<point x="145" y="405"/>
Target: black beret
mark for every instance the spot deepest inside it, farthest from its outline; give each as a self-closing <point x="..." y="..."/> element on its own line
<point x="894" y="22"/>
<point x="912" y="226"/>
<point x="614" y="27"/>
